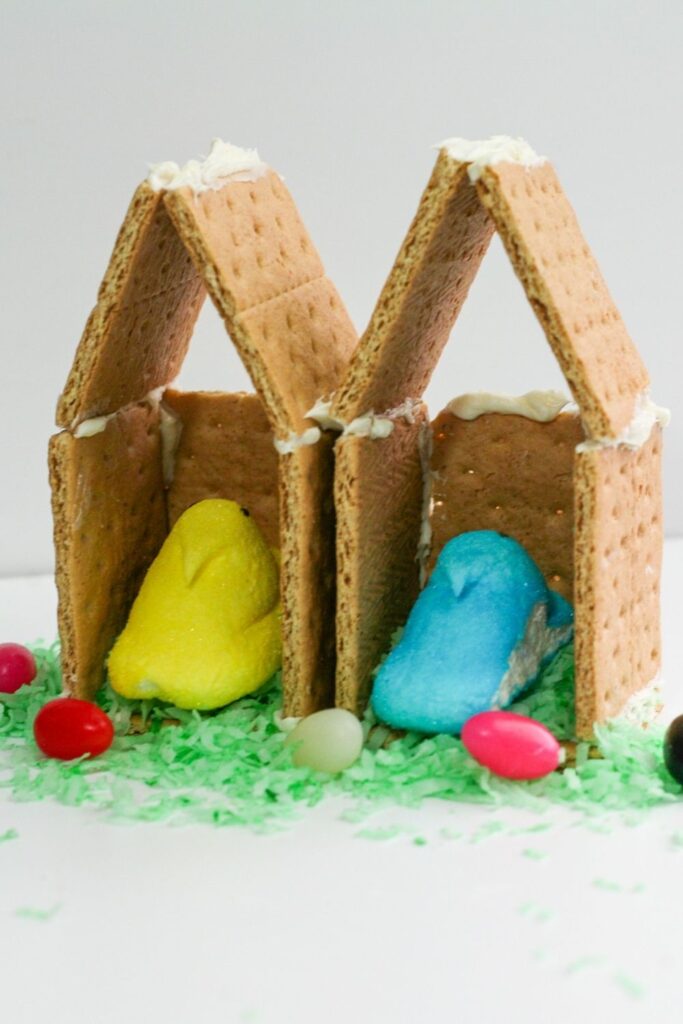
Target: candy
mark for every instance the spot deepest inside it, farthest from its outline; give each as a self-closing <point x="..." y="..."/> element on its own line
<point x="67" y="728"/>
<point x="673" y="749"/>
<point x="479" y="633"/>
<point x="327" y="741"/>
<point x="510" y="745"/>
<point x="17" y="667"/>
<point x="205" y="626"/>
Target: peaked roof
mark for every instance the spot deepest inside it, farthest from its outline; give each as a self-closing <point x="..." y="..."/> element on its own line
<point x="246" y="245"/>
<point x="437" y="263"/>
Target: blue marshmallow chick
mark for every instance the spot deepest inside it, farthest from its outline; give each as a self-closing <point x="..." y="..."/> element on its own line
<point x="477" y="636"/>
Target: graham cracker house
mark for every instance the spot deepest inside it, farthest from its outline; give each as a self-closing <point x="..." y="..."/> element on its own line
<point x="134" y="453"/>
<point x="580" y="489"/>
<point x="335" y="455"/>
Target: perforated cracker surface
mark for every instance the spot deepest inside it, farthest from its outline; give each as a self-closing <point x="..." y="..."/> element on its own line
<point x="511" y="474"/>
<point x="109" y="522"/>
<point x="267" y="281"/>
<point x="618" y="565"/>
<point x="225" y="451"/>
<point x="136" y="337"/>
<point x="567" y="292"/>
<point x="378" y="498"/>
<point x="304" y="339"/>
<point x="422" y="297"/>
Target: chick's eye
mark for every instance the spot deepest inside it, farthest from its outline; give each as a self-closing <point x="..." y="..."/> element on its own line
<point x="244" y="511"/>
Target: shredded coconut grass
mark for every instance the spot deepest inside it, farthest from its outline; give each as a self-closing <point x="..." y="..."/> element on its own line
<point x="232" y="767"/>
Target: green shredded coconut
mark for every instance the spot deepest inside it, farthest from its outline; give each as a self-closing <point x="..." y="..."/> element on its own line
<point x="608" y="886"/>
<point x="450" y="833"/>
<point x="629" y="985"/>
<point x="11" y="833"/>
<point x="582" y="963"/>
<point x="382" y="832"/>
<point x="35" y="914"/>
<point x="542" y="826"/>
<point x="540" y="915"/>
<point x="488" y="829"/>
<point x="231" y="767"/>
<point x="532" y="854"/>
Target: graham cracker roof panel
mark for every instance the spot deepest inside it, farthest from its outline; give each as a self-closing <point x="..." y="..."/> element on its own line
<point x="265" y="277"/>
<point x="422" y="297"/>
<point x="303" y="341"/>
<point x="249" y="238"/>
<point x="567" y="292"/>
<point x="136" y="338"/>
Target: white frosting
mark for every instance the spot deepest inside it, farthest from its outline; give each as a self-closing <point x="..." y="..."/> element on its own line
<point x="156" y="394"/>
<point x="170" y="427"/>
<point x="286" y="723"/>
<point x="225" y="163"/>
<point x="404" y="411"/>
<point x="369" y="424"/>
<point x="637" y="432"/>
<point x="539" y="640"/>
<point x="542" y="406"/>
<point x="481" y="153"/>
<point x="320" y="412"/>
<point x="424" y="544"/>
<point x="97" y="425"/>
<point x="289" y="444"/>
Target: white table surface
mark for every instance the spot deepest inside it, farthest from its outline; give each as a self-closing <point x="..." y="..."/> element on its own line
<point x="316" y="924"/>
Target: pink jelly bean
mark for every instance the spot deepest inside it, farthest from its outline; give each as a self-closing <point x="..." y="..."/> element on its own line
<point x="17" y="667"/>
<point x="510" y="745"/>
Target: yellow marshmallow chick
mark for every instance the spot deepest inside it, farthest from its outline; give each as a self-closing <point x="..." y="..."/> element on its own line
<point x="205" y="627"/>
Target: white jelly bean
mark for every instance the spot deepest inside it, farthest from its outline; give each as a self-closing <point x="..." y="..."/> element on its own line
<point x="327" y="741"/>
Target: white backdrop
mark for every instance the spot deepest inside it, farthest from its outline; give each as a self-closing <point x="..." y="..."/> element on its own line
<point x="344" y="99"/>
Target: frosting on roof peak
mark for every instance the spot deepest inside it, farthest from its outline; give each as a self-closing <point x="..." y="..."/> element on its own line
<point x="225" y="163"/>
<point x="481" y="153"/>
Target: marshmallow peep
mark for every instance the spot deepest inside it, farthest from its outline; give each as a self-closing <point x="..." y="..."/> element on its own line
<point x="477" y="636"/>
<point x="205" y="627"/>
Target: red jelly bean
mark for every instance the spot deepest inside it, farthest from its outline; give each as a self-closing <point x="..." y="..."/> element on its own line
<point x="17" y="667"/>
<point x="510" y="745"/>
<point x="67" y="728"/>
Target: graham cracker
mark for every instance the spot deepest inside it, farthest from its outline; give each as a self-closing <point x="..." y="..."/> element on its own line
<point x="265" y="277"/>
<point x="511" y="474"/>
<point x="618" y="555"/>
<point x="136" y="338"/>
<point x="225" y="451"/>
<point x="295" y="338"/>
<point x="109" y="523"/>
<point x="307" y="577"/>
<point x="567" y="292"/>
<point x="378" y="492"/>
<point x="422" y="297"/>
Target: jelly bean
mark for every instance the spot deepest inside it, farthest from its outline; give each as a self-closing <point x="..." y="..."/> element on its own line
<point x="673" y="749"/>
<point x="17" y="667"/>
<point x="512" y="746"/>
<point x="67" y="728"/>
<point x="327" y="741"/>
